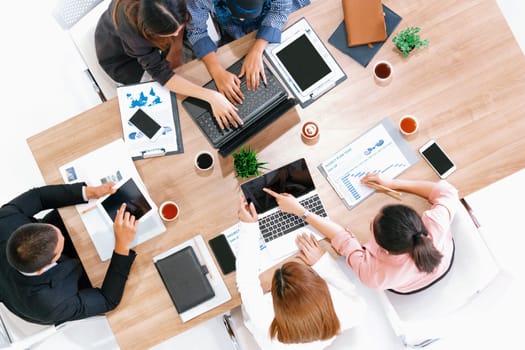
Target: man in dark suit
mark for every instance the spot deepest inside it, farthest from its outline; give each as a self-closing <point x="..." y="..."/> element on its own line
<point x="40" y="281"/>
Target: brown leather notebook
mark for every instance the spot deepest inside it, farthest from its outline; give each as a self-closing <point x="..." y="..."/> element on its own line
<point x="364" y="21"/>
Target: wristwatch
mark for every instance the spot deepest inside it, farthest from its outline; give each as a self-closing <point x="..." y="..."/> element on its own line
<point x="305" y="215"/>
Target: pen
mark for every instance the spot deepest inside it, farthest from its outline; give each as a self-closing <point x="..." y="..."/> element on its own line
<point x="392" y="193"/>
<point x="88" y="209"/>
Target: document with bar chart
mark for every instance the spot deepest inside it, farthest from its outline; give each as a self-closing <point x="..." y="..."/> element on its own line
<point x="382" y="150"/>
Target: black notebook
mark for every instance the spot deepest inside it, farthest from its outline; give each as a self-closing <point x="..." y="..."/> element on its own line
<point x="185" y="279"/>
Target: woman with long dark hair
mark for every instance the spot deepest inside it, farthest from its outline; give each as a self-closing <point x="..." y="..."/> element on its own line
<point x="134" y="36"/>
<point x="406" y="252"/>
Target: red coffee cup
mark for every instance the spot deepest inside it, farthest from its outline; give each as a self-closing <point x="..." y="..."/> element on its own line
<point x="169" y="211"/>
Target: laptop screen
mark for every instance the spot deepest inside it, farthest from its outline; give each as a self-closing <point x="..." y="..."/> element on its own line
<point x="293" y="178"/>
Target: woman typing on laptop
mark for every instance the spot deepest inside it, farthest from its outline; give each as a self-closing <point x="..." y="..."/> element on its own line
<point x="309" y="304"/>
<point x="133" y="36"/>
<point x="236" y="18"/>
<point x="406" y="252"/>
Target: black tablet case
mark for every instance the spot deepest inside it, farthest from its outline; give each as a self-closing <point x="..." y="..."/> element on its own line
<point x="362" y="53"/>
<point x="185" y="279"/>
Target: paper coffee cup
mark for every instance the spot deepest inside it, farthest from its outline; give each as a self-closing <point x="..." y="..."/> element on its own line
<point x="310" y="132"/>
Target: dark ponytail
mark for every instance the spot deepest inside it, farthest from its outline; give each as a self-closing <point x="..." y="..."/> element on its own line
<point x="399" y="230"/>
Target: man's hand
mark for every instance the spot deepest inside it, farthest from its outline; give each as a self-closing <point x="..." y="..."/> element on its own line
<point x="253" y="66"/>
<point x="94" y="192"/>
<point x="310" y="252"/>
<point x="125" y="227"/>
<point x="287" y="202"/>
<point x="246" y="213"/>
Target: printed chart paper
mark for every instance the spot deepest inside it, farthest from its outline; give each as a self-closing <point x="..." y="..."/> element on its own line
<point x="380" y="150"/>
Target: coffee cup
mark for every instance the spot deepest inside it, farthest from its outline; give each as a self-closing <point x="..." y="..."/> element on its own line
<point x="310" y="132"/>
<point x="204" y="161"/>
<point x="408" y="125"/>
<point x="383" y="72"/>
<point x="169" y="211"/>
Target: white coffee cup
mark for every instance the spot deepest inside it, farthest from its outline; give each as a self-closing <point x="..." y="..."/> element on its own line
<point x="383" y="72"/>
<point x="169" y="211"/>
<point x="408" y="125"/>
<point x="204" y="161"/>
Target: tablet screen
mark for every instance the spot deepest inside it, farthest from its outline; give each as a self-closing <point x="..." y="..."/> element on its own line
<point x="303" y="62"/>
<point x="129" y="193"/>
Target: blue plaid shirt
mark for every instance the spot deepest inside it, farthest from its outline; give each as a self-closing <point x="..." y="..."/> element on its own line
<point x="268" y="25"/>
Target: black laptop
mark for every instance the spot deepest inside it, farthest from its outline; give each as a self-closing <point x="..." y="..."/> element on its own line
<point x="259" y="108"/>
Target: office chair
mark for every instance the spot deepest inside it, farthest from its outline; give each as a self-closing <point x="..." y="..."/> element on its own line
<point x="79" y="18"/>
<point x="241" y="337"/>
<point x="18" y="333"/>
<point x="472" y="283"/>
<point x="90" y="333"/>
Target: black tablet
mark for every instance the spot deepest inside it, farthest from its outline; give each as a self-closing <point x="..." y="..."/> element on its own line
<point x="127" y="192"/>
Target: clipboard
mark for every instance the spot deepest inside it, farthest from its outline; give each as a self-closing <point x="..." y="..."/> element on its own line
<point x="160" y="104"/>
<point x="382" y="149"/>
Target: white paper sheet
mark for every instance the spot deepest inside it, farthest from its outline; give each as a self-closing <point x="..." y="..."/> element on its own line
<point x="109" y="163"/>
<point x="156" y="101"/>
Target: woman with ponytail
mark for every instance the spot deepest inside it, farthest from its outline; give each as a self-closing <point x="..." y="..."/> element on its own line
<point x="407" y="252"/>
<point x="134" y="36"/>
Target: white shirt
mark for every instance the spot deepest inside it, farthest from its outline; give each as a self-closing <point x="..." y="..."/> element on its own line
<point x="258" y="307"/>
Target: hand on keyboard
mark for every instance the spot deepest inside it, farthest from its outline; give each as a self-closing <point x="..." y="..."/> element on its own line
<point x="228" y="84"/>
<point x="224" y="112"/>
<point x="253" y="66"/>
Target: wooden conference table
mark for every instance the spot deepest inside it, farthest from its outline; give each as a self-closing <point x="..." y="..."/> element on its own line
<point x="466" y="88"/>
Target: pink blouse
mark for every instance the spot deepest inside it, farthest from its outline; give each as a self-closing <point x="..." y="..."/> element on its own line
<point x="377" y="269"/>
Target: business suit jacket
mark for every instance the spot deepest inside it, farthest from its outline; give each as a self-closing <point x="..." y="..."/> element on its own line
<point x="54" y="296"/>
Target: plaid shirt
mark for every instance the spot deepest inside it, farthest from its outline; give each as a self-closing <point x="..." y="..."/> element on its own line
<point x="268" y="24"/>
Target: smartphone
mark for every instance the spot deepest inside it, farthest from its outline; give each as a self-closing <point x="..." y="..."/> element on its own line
<point x="437" y="159"/>
<point x="146" y="124"/>
<point x="223" y="253"/>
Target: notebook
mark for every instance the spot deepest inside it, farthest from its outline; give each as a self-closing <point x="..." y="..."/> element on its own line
<point x="364" y="22"/>
<point x="278" y="229"/>
<point x="185" y="279"/>
<point x="259" y="108"/>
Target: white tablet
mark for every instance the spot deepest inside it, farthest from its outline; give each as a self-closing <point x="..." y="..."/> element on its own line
<point x="304" y="63"/>
<point x="127" y="192"/>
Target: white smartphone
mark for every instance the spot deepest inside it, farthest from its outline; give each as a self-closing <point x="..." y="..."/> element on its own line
<point x="437" y="159"/>
<point x="146" y="124"/>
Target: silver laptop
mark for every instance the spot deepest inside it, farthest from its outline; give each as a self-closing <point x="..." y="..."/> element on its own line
<point x="278" y="229"/>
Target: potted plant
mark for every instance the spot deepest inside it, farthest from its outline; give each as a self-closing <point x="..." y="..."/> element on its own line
<point x="246" y="163"/>
<point x="408" y="39"/>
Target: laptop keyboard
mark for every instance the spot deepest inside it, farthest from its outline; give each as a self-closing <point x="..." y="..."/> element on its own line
<point x="278" y="224"/>
<point x="256" y="104"/>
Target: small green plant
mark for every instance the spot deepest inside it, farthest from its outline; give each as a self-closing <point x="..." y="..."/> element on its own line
<point x="408" y="39"/>
<point x="246" y="164"/>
